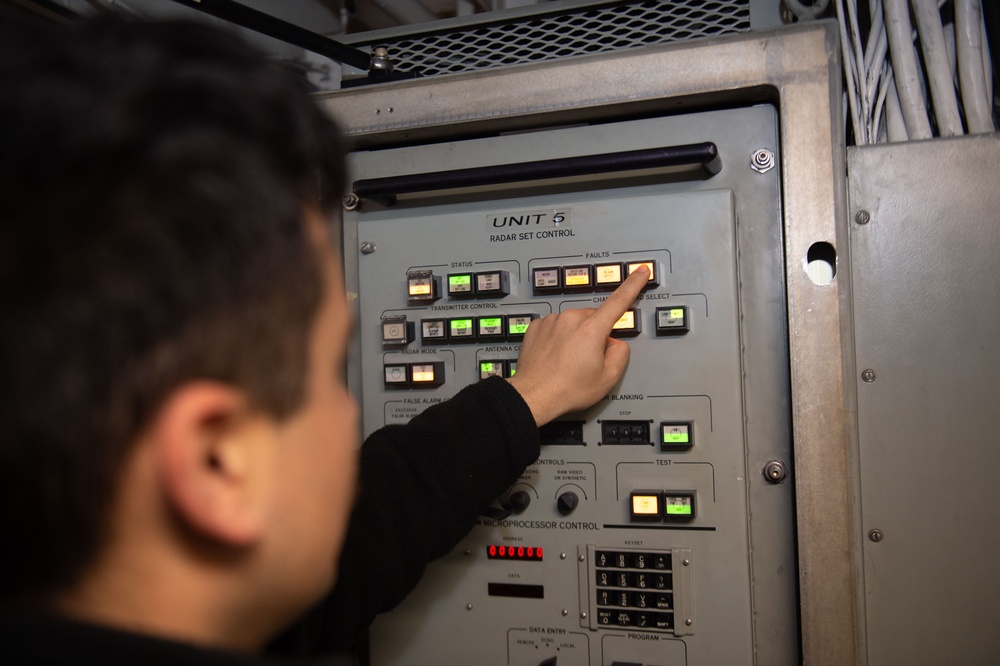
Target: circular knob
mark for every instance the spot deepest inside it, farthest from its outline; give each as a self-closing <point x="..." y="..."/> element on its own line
<point x="567" y="502"/>
<point x="519" y="501"/>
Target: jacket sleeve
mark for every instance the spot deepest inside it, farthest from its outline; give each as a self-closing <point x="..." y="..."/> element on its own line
<point x="422" y="486"/>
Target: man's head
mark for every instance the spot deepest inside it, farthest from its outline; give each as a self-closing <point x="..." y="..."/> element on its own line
<point x="168" y="290"/>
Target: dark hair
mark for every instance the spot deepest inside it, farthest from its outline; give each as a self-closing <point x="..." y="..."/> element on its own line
<point x="153" y="178"/>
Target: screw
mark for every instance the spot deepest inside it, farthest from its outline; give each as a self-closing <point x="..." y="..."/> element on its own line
<point x="775" y="471"/>
<point x="565" y="612"/>
<point x="367" y="248"/>
<point x="468" y="606"/>
<point x="862" y="217"/>
<point x="351" y="201"/>
<point x="687" y="562"/>
<point x="583" y="616"/>
<point x="581" y="558"/>
<point x="875" y="536"/>
<point x="688" y="622"/>
<point x="762" y="160"/>
<point x="868" y="375"/>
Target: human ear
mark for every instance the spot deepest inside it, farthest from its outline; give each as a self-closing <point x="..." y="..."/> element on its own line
<point x="213" y="458"/>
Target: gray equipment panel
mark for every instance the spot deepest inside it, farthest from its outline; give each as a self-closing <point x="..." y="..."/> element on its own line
<point x="723" y="588"/>
<point x="927" y="320"/>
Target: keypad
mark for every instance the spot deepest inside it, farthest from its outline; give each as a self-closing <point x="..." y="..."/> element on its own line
<point x="634" y="589"/>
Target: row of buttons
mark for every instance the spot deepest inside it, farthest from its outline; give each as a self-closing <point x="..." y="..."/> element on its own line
<point x="423" y="286"/>
<point x="397" y="331"/>
<point x="637" y="619"/>
<point x="592" y="277"/>
<point x="497" y="368"/>
<point x="644" y="580"/>
<point x="414" y="375"/>
<point x="632" y="560"/>
<point x="657" y="506"/>
<point x="644" y="600"/>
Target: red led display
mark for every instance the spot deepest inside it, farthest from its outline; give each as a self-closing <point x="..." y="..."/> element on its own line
<point x="520" y="553"/>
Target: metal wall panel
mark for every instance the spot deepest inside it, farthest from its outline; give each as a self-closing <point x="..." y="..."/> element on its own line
<point x="927" y="317"/>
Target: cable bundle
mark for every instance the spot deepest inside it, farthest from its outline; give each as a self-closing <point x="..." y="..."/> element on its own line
<point x="890" y="88"/>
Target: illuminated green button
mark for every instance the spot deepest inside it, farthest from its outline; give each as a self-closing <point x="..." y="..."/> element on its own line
<point x="461" y="329"/>
<point x="460" y="284"/>
<point x="490" y="369"/>
<point x="678" y="505"/>
<point x="511" y="367"/>
<point x="517" y="325"/>
<point x="675" y="435"/>
<point x="490" y="327"/>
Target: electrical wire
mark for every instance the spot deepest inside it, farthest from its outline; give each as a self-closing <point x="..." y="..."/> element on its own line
<point x="971" y="73"/>
<point x="939" y="76"/>
<point x="904" y="64"/>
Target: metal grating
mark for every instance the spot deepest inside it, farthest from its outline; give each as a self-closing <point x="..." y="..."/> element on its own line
<point x="610" y="27"/>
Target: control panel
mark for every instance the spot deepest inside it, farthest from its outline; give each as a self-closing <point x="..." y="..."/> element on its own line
<point x="646" y="532"/>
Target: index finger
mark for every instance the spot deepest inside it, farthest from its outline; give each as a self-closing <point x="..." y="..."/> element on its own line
<point x="621" y="299"/>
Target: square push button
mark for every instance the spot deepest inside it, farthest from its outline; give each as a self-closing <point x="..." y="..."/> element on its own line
<point x="676" y="435"/>
<point x="491" y="369"/>
<point x="672" y="320"/>
<point x="461" y="329"/>
<point x="678" y="505"/>
<point x="608" y="276"/>
<point x="433" y="331"/>
<point x="489" y="328"/>
<point x="654" y="271"/>
<point x="578" y="278"/>
<point x="511" y="368"/>
<point x="646" y="506"/>
<point x="461" y="285"/>
<point x="546" y="280"/>
<point x="396" y="375"/>
<point x="627" y="325"/>
<point x="422" y="287"/>
<point x="518" y="324"/>
<point x="427" y="374"/>
<point x="492" y="284"/>
<point x="396" y="331"/>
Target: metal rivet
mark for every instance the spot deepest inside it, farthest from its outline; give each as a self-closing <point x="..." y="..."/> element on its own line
<point x="583" y="616"/>
<point x="581" y="558"/>
<point x="868" y="375"/>
<point x="351" y="201"/>
<point x="367" y="248"/>
<point x="687" y="562"/>
<point x="875" y="536"/>
<point x="762" y="160"/>
<point x="862" y="217"/>
<point x="468" y="606"/>
<point x="565" y="612"/>
<point x="689" y="622"/>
